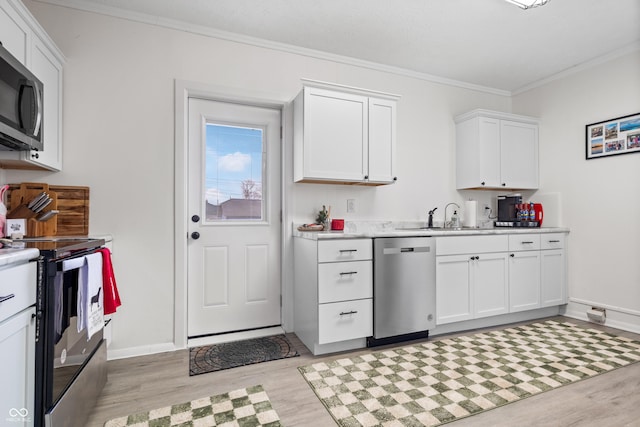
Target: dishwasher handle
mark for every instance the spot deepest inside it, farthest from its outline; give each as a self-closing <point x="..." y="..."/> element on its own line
<point x="393" y="251"/>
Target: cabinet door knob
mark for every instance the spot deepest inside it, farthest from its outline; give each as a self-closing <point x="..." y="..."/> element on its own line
<point x="395" y="178"/>
<point x="195" y="218"/>
<point x="35" y="155"/>
<point x="504" y="184"/>
<point x="366" y="177"/>
<point x="482" y="183"/>
<point x="195" y="235"/>
<point x="512" y="255"/>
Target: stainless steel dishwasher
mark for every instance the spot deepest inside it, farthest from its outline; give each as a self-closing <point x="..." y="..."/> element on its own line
<point x="404" y="289"/>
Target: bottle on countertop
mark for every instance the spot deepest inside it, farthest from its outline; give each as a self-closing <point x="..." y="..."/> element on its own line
<point x="3" y="210"/>
<point x="532" y="212"/>
<point x="455" y="221"/>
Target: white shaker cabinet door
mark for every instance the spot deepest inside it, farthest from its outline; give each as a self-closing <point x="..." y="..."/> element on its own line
<point x="17" y="368"/>
<point x="49" y="70"/>
<point x="524" y="280"/>
<point x="15" y="35"/>
<point x="552" y="281"/>
<point x="453" y="289"/>
<point x="382" y="140"/>
<point x="519" y="154"/>
<point x="490" y="277"/>
<point x="335" y="135"/>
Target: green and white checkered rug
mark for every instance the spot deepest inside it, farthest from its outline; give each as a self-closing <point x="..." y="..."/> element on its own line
<point x="248" y="407"/>
<point x="440" y="381"/>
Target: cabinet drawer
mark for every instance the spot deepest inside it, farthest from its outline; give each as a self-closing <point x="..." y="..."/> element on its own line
<point x="344" y="250"/>
<point x="552" y="241"/>
<point x="341" y="321"/>
<point x="340" y="281"/>
<point x="471" y="244"/>
<point x="19" y="281"/>
<point x="524" y="242"/>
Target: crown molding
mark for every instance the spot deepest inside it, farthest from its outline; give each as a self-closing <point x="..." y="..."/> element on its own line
<point x="254" y="41"/>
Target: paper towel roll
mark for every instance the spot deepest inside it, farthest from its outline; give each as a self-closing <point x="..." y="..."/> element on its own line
<point x="469" y="218"/>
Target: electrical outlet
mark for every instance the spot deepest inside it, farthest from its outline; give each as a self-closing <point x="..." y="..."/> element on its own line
<point x="486" y="209"/>
<point x="351" y="205"/>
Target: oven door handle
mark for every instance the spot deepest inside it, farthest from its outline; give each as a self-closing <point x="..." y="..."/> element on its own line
<point x="6" y="297"/>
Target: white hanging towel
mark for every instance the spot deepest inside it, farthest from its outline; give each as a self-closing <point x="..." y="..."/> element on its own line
<point x="90" y="313"/>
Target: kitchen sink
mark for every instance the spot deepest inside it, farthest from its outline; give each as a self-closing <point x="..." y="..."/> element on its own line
<point x="428" y="229"/>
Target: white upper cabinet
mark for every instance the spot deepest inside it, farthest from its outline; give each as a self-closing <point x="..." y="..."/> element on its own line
<point x="496" y="151"/>
<point x="15" y="34"/>
<point x="21" y="34"/>
<point x="344" y="135"/>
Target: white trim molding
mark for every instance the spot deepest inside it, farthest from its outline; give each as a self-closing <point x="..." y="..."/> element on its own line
<point x="617" y="317"/>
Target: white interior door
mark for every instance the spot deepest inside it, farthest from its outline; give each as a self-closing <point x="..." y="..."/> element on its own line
<point x="234" y="277"/>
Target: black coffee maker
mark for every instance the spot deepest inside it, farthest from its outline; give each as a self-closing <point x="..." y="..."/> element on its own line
<point x="507" y="211"/>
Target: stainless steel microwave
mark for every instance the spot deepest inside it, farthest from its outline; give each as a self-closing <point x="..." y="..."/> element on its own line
<point x="21" y="106"/>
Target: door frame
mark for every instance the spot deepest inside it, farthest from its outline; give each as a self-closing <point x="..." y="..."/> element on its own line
<point x="183" y="90"/>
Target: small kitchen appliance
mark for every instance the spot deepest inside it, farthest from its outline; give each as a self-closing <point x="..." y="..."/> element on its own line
<point x="21" y="106"/>
<point x="512" y="212"/>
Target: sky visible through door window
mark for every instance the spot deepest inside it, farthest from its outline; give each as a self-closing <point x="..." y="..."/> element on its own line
<point x="233" y="173"/>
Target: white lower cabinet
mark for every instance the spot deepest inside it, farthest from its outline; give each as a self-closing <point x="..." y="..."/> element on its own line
<point x="470" y="281"/>
<point x="481" y="276"/>
<point x="17" y="367"/>
<point x="333" y="294"/>
<point x="17" y="344"/>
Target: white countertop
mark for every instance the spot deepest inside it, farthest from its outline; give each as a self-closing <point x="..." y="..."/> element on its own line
<point x="15" y="256"/>
<point x="391" y="229"/>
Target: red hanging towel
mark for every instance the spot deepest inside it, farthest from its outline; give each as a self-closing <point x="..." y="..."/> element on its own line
<point x="111" y="299"/>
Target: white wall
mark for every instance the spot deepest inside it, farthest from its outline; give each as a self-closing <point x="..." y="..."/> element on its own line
<point x="119" y="140"/>
<point x="600" y="197"/>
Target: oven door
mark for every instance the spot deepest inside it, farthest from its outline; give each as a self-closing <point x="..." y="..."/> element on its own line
<point x="69" y="350"/>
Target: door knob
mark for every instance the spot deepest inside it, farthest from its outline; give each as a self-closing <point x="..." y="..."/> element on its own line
<point x="195" y="218"/>
<point x="195" y="235"/>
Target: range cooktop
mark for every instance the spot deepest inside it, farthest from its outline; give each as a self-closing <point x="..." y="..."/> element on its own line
<point x="59" y="247"/>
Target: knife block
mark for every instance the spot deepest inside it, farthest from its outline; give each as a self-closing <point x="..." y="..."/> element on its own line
<point x="17" y="202"/>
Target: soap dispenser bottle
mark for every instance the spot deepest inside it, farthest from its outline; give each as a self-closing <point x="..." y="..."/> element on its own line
<point x="455" y="221"/>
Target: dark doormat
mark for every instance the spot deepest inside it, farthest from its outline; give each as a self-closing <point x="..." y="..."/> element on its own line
<point x="216" y="357"/>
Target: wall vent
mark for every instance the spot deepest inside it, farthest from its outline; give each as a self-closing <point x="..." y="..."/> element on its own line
<point x="597" y="315"/>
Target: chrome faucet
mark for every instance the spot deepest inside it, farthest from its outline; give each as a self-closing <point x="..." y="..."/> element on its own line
<point x="445" y="214"/>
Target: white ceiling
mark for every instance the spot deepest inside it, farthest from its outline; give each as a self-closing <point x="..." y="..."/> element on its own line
<point x="487" y="43"/>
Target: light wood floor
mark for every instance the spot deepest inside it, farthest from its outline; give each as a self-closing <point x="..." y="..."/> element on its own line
<point x="143" y="383"/>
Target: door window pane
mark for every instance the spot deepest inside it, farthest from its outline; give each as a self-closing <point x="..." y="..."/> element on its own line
<point x="234" y="173"/>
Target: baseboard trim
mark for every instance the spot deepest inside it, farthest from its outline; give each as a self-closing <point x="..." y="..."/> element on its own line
<point x="140" y="351"/>
<point x="503" y="319"/>
<point x="234" y="336"/>
<point x="617" y="317"/>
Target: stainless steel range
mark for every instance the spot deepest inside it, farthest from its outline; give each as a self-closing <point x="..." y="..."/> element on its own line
<point x="70" y="368"/>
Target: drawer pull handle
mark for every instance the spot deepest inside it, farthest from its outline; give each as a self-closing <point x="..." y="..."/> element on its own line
<point x="554" y="241"/>
<point x="7" y="297"/>
<point x="348" y="250"/>
<point x="527" y="243"/>
<point x="344" y="313"/>
<point x="348" y="273"/>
